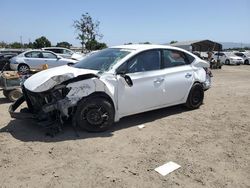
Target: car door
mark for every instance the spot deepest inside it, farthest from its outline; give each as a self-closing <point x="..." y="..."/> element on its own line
<point x="33" y="59"/>
<point x="178" y="75"/>
<point x="147" y="91"/>
<point x="51" y="59"/>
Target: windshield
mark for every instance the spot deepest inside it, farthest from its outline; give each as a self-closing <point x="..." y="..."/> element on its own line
<point x="102" y="60"/>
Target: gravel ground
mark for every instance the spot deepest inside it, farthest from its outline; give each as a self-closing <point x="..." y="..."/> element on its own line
<point x="211" y="144"/>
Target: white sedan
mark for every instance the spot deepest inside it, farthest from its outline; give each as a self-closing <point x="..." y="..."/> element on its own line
<point x="228" y="58"/>
<point x="35" y="59"/>
<point x="113" y="83"/>
<point x="245" y="56"/>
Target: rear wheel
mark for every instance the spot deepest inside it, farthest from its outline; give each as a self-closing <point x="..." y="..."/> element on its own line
<point x="195" y="97"/>
<point x="227" y="62"/>
<point x="95" y="115"/>
<point x="246" y="62"/>
<point x="23" y="68"/>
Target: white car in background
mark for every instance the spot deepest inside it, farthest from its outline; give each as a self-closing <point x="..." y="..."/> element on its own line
<point x="113" y="83"/>
<point x="64" y="52"/>
<point x="245" y="56"/>
<point x="228" y="58"/>
<point x="35" y="59"/>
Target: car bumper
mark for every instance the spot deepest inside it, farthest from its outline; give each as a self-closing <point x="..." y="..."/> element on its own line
<point x="236" y="62"/>
<point x="13" y="66"/>
<point x="208" y="83"/>
<point x="19" y="115"/>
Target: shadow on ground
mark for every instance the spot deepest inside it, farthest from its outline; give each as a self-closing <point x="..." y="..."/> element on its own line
<point x="28" y="130"/>
<point x="4" y="101"/>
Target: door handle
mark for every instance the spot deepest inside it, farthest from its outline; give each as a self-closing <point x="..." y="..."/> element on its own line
<point x="188" y="75"/>
<point x="159" y="80"/>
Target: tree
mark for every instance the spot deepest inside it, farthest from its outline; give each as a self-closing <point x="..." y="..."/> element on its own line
<point x="63" y="44"/>
<point x="16" y="45"/>
<point x="95" y="45"/>
<point x="3" y="44"/>
<point x="41" y="42"/>
<point x="173" y="41"/>
<point x="87" y="29"/>
<point x="129" y="43"/>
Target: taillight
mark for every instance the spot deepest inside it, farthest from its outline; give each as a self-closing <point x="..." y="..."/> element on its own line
<point x="208" y="71"/>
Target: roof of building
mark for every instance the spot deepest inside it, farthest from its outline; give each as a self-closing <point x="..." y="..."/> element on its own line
<point x="200" y="45"/>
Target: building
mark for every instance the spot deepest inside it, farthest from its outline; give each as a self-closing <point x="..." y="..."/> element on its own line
<point x="199" y="45"/>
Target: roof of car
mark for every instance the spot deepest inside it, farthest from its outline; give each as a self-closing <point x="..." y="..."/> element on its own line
<point x="55" y="48"/>
<point x="143" y="46"/>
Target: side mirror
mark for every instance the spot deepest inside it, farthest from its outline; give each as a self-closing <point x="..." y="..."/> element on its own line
<point x="127" y="78"/>
<point x="58" y="57"/>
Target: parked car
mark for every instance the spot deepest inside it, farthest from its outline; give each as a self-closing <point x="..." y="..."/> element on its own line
<point x="64" y="52"/>
<point x="4" y="60"/>
<point x="228" y="58"/>
<point x="113" y="83"/>
<point x="35" y="59"/>
<point x="245" y="56"/>
<point x="14" y="51"/>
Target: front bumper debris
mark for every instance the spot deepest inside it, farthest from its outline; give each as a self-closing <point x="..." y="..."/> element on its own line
<point x="20" y="115"/>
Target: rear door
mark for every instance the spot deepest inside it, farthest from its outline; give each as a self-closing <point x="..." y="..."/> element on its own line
<point x="178" y="75"/>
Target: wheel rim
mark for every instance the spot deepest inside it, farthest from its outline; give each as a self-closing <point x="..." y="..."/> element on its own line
<point x="23" y="69"/>
<point x="197" y="97"/>
<point x="95" y="115"/>
<point x="15" y="95"/>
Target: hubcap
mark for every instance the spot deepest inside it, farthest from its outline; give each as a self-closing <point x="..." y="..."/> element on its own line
<point x="23" y="69"/>
<point x="95" y="115"/>
<point x="196" y="97"/>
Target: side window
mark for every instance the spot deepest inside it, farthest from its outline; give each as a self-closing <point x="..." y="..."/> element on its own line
<point x="145" y="61"/>
<point x="49" y="55"/>
<point x="173" y="58"/>
<point x="55" y="50"/>
<point x="33" y="55"/>
<point x="67" y="52"/>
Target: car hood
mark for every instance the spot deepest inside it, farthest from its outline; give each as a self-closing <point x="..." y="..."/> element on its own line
<point x="47" y="79"/>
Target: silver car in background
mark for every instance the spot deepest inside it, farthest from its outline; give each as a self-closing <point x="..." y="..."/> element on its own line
<point x="35" y="59"/>
<point x="64" y="52"/>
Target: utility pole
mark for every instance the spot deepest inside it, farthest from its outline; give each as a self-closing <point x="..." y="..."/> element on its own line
<point x="21" y="40"/>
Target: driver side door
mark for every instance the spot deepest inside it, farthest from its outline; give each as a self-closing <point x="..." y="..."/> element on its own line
<point x="147" y="91"/>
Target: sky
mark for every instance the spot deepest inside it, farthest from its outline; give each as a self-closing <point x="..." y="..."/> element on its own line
<point x="155" y="21"/>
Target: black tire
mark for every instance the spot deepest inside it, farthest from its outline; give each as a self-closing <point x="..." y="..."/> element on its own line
<point x="14" y="94"/>
<point x="95" y="114"/>
<point x="23" y="68"/>
<point x="227" y="62"/>
<point x="246" y="62"/>
<point x="219" y="67"/>
<point x="195" y="97"/>
<point x="5" y="93"/>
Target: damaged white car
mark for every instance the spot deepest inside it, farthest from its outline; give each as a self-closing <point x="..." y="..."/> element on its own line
<point x="113" y="83"/>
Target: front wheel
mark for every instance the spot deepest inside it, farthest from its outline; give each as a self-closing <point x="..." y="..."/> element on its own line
<point x="23" y="68"/>
<point x="95" y="115"/>
<point x="195" y="97"/>
<point x="246" y="62"/>
<point x="227" y="62"/>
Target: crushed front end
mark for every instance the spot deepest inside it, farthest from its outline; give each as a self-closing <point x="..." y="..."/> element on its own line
<point x="48" y="108"/>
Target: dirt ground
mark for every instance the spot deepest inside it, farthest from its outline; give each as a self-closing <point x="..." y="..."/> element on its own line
<point x="212" y="145"/>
